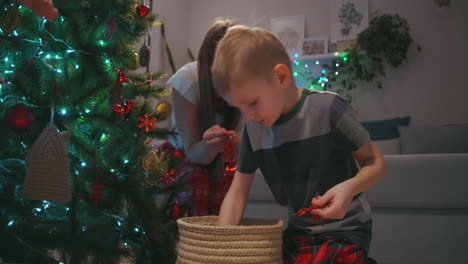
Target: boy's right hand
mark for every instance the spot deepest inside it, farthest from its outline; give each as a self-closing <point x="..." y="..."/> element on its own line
<point x="216" y="138"/>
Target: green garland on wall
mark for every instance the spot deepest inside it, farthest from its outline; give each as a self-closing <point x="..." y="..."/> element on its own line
<point x="385" y="41"/>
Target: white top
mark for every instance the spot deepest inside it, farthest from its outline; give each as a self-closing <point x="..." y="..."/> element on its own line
<point x="185" y="81"/>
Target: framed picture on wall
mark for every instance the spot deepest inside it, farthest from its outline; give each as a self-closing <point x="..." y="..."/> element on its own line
<point x="314" y="46"/>
<point x="348" y="19"/>
<point x="290" y="30"/>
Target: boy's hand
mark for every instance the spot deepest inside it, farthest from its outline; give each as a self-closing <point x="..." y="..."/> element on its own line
<point x="334" y="203"/>
<point x="216" y="137"/>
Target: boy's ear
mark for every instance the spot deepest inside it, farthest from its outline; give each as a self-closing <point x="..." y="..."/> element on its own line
<point x="283" y="75"/>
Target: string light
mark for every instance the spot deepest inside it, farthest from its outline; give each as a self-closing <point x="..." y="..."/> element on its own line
<point x="11" y="223"/>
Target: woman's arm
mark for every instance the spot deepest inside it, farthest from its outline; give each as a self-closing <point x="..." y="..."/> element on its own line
<point x="198" y="151"/>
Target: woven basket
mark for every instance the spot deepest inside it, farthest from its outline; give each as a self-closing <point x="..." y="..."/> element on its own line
<point x="253" y="241"/>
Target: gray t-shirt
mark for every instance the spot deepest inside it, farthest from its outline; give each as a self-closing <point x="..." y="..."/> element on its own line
<point x="306" y="151"/>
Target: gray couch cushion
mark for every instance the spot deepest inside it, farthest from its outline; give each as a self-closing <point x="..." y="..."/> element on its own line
<point x="441" y="139"/>
<point x="422" y="181"/>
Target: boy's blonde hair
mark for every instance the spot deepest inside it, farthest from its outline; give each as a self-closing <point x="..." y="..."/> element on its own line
<point x="246" y="53"/>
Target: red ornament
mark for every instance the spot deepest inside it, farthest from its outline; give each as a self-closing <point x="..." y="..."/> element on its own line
<point x="167" y="178"/>
<point x="308" y="210"/>
<point x="124" y="108"/>
<point x="19" y="117"/>
<point x="147" y="123"/>
<point x="142" y="10"/>
<point x="178" y="154"/>
<point x="121" y="78"/>
<point x="176" y="211"/>
<point x="96" y="195"/>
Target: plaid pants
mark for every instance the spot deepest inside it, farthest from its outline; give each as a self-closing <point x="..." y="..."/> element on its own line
<point x="300" y="249"/>
<point x="206" y="194"/>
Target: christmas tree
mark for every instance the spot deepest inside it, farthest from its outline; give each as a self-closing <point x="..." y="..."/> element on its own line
<point x="78" y="181"/>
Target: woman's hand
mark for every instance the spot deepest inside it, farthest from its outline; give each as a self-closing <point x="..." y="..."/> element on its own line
<point x="216" y="138"/>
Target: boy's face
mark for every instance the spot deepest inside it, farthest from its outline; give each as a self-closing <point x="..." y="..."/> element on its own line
<point x="259" y="100"/>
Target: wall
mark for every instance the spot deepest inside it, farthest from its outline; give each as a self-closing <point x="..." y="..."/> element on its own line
<point x="174" y="14"/>
<point x="430" y="87"/>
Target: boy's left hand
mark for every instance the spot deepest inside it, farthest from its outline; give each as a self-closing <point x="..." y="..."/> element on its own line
<point x="334" y="203"/>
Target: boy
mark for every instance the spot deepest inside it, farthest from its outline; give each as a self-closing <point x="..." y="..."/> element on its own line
<point x="306" y="144"/>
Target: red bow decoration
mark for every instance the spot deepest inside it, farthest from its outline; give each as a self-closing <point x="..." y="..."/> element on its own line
<point x="124" y="108"/>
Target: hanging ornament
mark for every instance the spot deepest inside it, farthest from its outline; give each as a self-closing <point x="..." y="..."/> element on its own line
<point x="19" y="117"/>
<point x="125" y="108"/>
<point x="175" y="212"/>
<point x="11" y="20"/>
<point x="163" y="110"/>
<point x="147" y="123"/>
<point x="47" y="167"/>
<point x="142" y="10"/>
<point x="144" y="57"/>
<point x="152" y="161"/>
<point x="168" y="177"/>
<point x="96" y="195"/>
<point x="135" y="61"/>
<point x="179" y="155"/>
<point x="121" y="78"/>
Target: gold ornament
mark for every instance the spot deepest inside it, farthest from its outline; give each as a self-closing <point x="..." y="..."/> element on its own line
<point x="152" y="161"/>
<point x="11" y="20"/>
<point x="163" y="110"/>
<point x="135" y="61"/>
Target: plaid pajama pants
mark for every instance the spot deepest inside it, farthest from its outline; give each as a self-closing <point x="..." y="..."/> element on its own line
<point x="300" y="249"/>
<point x="206" y="194"/>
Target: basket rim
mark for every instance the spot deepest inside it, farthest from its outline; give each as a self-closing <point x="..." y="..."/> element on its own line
<point x="277" y="223"/>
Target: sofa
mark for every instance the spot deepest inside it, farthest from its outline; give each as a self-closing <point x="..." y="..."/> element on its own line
<point x="420" y="207"/>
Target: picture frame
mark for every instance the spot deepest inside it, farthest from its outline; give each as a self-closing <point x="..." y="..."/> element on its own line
<point x="314" y="46"/>
<point x="290" y="30"/>
<point x="348" y="19"/>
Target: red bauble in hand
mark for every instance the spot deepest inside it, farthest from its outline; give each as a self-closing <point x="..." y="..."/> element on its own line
<point x="142" y="10"/>
<point x="19" y="117"/>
